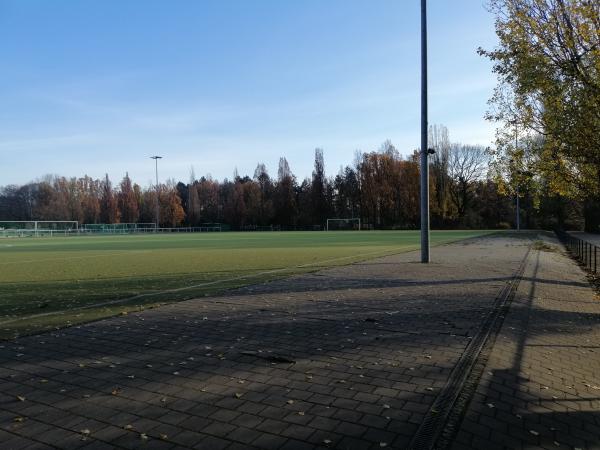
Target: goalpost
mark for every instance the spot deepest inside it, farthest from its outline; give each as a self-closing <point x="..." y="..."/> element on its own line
<point x="23" y="228"/>
<point x="343" y="224"/>
<point x="119" y="228"/>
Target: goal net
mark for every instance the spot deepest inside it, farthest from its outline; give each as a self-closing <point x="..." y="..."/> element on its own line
<point x="24" y="228"/>
<point x="118" y="228"/>
<point x="343" y="224"/>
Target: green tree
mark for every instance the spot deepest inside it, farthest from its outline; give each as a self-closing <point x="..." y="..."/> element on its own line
<point x="548" y="68"/>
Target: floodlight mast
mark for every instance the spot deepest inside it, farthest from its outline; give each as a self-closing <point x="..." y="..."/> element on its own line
<point x="424" y="150"/>
<point x="156" y="158"/>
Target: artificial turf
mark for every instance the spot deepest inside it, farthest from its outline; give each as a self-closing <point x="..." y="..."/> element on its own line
<point x="53" y="282"/>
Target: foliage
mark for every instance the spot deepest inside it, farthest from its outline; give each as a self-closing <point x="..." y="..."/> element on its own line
<point x="381" y="188"/>
<point x="548" y="96"/>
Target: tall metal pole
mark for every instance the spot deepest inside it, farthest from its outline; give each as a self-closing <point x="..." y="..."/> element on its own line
<point x="518" y="180"/>
<point x="518" y="209"/>
<point x="424" y="150"/>
<point x="156" y="158"/>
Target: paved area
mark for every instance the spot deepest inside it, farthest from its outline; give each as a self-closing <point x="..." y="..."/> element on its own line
<point x="541" y="386"/>
<point x="349" y="358"/>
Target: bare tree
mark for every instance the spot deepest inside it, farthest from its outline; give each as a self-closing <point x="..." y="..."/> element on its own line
<point x="466" y="165"/>
<point x="439" y="140"/>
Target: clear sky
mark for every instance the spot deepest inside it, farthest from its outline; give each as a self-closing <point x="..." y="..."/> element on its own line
<point x="94" y="87"/>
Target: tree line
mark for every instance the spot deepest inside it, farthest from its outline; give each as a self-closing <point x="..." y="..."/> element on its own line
<point x="380" y="187"/>
<point x="547" y="153"/>
<point x="547" y="103"/>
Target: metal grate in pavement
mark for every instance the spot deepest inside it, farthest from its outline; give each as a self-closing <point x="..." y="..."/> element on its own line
<point x="438" y="419"/>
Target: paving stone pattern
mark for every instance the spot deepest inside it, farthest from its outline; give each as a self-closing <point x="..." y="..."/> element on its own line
<point x="350" y="357"/>
<point x="541" y="386"/>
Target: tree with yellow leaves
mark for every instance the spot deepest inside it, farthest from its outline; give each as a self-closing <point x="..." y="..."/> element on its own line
<point x="548" y="68"/>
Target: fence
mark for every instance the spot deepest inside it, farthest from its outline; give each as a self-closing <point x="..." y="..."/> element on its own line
<point x="95" y="232"/>
<point x="585" y="252"/>
<point x="36" y="233"/>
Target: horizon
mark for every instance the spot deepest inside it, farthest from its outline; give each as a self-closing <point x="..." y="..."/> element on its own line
<point x="99" y="88"/>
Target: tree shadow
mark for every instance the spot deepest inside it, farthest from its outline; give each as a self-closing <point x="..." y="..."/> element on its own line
<point x="538" y="400"/>
<point x="267" y="369"/>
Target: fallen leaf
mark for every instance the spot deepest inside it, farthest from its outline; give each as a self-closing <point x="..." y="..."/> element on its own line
<point x="20" y="398"/>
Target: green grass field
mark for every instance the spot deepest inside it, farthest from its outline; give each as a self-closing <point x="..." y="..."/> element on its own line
<point x="53" y="282"/>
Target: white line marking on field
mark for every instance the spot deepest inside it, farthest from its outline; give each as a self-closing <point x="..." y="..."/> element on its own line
<point x="208" y="283"/>
<point x="149" y="238"/>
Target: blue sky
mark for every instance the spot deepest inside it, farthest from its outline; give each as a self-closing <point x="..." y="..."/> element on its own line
<point x="94" y="87"/>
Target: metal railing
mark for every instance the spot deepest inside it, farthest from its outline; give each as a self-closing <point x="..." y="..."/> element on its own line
<point x="585" y="252"/>
<point x="91" y="232"/>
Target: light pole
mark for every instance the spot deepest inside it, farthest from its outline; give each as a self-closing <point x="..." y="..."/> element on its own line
<point x="424" y="150"/>
<point x="518" y="181"/>
<point x="518" y="209"/>
<point x="520" y="173"/>
<point x="156" y="158"/>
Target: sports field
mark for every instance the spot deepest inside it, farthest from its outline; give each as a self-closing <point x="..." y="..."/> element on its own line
<point x="53" y="282"/>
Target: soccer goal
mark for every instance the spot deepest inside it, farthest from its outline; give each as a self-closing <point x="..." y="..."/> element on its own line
<point x="119" y="228"/>
<point x="343" y="224"/>
<point x="37" y="228"/>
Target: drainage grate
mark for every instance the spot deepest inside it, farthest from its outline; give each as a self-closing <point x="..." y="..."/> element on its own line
<point x="441" y="418"/>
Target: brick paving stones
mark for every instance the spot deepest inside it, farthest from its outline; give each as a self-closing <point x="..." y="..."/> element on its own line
<point x="541" y="386"/>
<point x="350" y="357"/>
